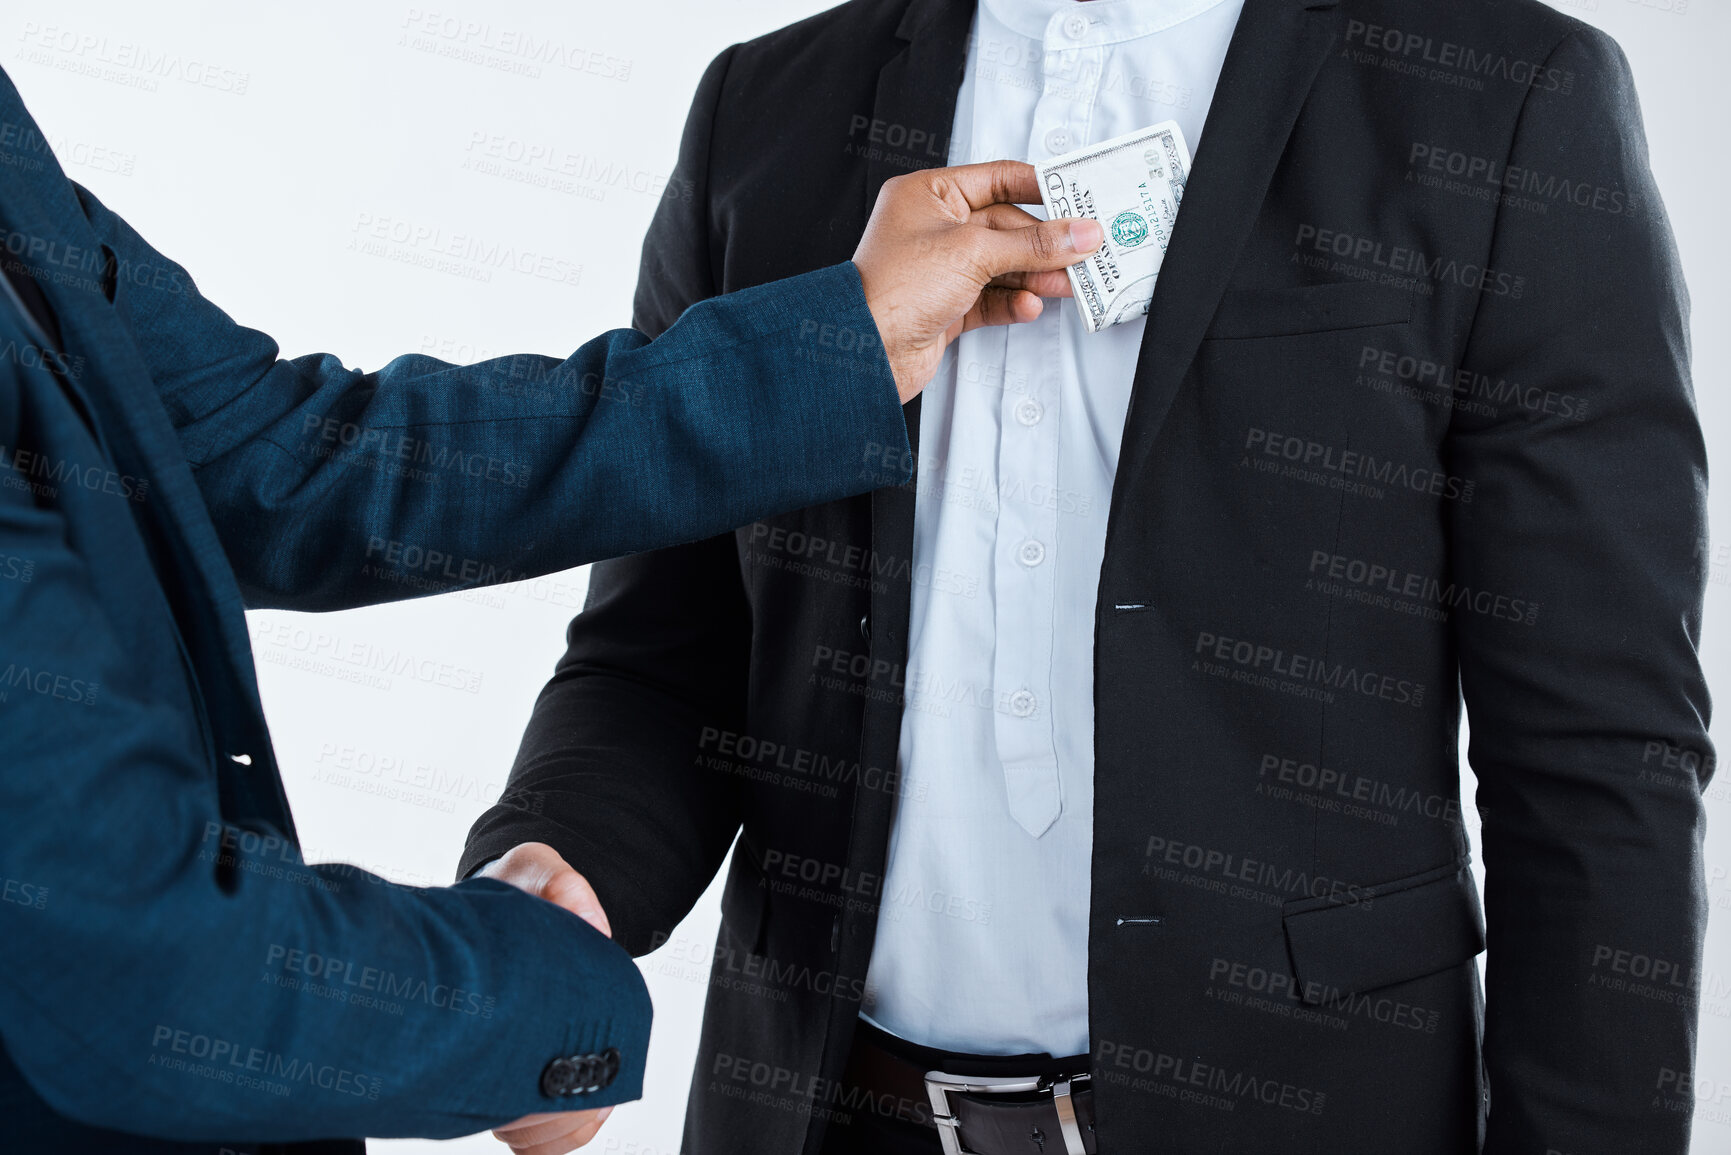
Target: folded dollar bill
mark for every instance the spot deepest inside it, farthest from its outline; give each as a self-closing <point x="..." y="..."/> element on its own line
<point x="1132" y="185"/>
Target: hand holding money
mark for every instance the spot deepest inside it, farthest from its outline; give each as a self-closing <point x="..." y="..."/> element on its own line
<point x="1132" y="185"/>
<point x="947" y="249"/>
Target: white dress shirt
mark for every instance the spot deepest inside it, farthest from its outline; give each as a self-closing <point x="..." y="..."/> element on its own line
<point x="982" y="943"/>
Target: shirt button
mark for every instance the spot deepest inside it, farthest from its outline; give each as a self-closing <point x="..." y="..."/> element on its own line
<point x="1058" y="140"/>
<point x="1028" y="411"/>
<point x="1022" y="703"/>
<point x="1031" y="554"/>
<point x="1076" y="26"/>
<point x="580" y="1074"/>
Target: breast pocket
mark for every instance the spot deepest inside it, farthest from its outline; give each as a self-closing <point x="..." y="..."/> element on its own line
<point x="1286" y="312"/>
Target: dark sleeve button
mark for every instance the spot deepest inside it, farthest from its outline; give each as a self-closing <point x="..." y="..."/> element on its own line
<point x="865" y="627"/>
<point x="580" y="1074"/>
<point x="558" y="1078"/>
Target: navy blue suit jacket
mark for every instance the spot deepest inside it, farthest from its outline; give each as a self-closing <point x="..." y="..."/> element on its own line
<point x="170" y="967"/>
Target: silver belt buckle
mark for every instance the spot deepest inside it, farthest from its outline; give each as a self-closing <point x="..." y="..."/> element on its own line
<point x="939" y="1086"/>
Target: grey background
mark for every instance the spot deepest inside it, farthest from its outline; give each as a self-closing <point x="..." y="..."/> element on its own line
<point x="258" y="144"/>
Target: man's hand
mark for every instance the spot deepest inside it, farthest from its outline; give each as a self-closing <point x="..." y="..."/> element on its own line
<point x="552" y="1134"/>
<point x="947" y="250"/>
<point x="538" y="869"/>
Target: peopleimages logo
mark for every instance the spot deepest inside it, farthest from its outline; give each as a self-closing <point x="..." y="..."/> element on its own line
<point x="1203" y="1083"/>
<point x="503" y="47"/>
<point x="1401" y="589"/>
<point x="46" y="474"/>
<point x="345" y="973"/>
<point x="1243" y="868"/>
<point x="1350" y="463"/>
<point x="224" y="1060"/>
<point x="1307" y="669"/>
<point x="1454" y="62"/>
<point x="1413" y="264"/>
<point x="1496" y="174"/>
<point x="124" y="61"/>
<point x="1484" y="393"/>
<point x="47" y="683"/>
<point x="1339" y="786"/>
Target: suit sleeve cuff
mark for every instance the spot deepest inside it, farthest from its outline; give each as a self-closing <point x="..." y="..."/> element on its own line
<point x="578" y="1006"/>
<point x="827" y="324"/>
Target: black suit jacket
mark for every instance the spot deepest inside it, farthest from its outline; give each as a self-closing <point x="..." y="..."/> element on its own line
<point x="1412" y="421"/>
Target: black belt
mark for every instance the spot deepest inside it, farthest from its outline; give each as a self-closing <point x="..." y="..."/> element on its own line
<point x="1048" y="1111"/>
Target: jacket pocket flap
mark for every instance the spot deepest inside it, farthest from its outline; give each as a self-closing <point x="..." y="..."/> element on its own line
<point x="1390" y="933"/>
<point x="1309" y="309"/>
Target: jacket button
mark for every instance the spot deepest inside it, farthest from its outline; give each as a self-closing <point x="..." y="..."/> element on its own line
<point x="865" y="627"/>
<point x="580" y="1074"/>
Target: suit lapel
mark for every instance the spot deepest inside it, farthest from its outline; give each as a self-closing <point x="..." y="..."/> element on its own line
<point x="916" y="93"/>
<point x="135" y="432"/>
<point x="1275" y="55"/>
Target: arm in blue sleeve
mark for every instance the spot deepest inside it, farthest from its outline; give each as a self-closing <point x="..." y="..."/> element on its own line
<point x="171" y="976"/>
<point x="332" y="487"/>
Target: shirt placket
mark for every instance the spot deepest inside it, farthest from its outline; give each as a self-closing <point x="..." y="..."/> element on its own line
<point x="1027" y="531"/>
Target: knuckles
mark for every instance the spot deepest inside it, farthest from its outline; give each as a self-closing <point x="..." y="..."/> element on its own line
<point x="1043" y="243"/>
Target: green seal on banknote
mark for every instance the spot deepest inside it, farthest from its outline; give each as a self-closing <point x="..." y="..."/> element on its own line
<point x="1132" y="184"/>
<point x="1129" y="229"/>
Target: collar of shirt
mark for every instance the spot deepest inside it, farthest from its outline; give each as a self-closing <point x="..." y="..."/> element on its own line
<point x="1092" y="23"/>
